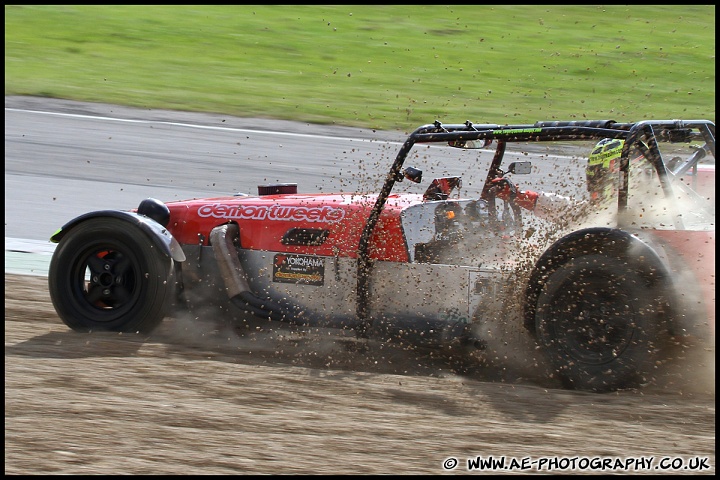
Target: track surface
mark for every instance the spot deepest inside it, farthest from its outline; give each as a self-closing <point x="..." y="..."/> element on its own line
<point x="197" y="398"/>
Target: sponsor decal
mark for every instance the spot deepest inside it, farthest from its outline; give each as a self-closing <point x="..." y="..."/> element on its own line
<point x="305" y="269"/>
<point x="272" y="212"/>
<point x="515" y="131"/>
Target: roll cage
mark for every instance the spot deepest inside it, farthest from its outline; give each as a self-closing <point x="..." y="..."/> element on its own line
<point x="643" y="135"/>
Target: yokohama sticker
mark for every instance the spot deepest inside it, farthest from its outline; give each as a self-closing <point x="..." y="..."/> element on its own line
<point x="304" y="269"/>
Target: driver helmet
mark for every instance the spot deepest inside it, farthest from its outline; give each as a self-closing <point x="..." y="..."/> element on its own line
<point x="602" y="167"/>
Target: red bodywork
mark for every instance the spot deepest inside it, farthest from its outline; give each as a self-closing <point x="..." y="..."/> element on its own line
<point x="696" y="251"/>
<point x="703" y="181"/>
<point x="264" y="220"/>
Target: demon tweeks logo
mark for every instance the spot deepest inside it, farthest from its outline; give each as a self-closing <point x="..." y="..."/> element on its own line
<point x="272" y="212"/>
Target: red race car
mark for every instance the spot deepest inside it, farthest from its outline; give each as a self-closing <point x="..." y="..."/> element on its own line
<point x="600" y="276"/>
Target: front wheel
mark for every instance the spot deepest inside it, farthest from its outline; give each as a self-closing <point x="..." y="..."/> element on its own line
<point x="599" y="321"/>
<point x="107" y="275"/>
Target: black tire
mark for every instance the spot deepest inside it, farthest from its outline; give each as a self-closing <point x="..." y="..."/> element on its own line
<point x="107" y="275"/>
<point x="599" y="322"/>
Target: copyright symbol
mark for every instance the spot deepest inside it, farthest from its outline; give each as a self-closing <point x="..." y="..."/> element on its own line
<point x="450" y="463"/>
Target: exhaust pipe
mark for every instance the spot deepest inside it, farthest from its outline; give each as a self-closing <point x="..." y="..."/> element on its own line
<point x="235" y="278"/>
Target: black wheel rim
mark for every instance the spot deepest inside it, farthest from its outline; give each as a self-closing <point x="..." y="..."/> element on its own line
<point x="105" y="281"/>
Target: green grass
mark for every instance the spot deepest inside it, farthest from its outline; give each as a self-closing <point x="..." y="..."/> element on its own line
<point x="386" y="67"/>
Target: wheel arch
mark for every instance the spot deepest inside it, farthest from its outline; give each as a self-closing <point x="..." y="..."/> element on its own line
<point x="603" y="240"/>
<point x="158" y="234"/>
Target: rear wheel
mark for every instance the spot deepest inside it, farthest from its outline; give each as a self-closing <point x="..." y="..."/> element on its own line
<point x="107" y="275"/>
<point x="599" y="322"/>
